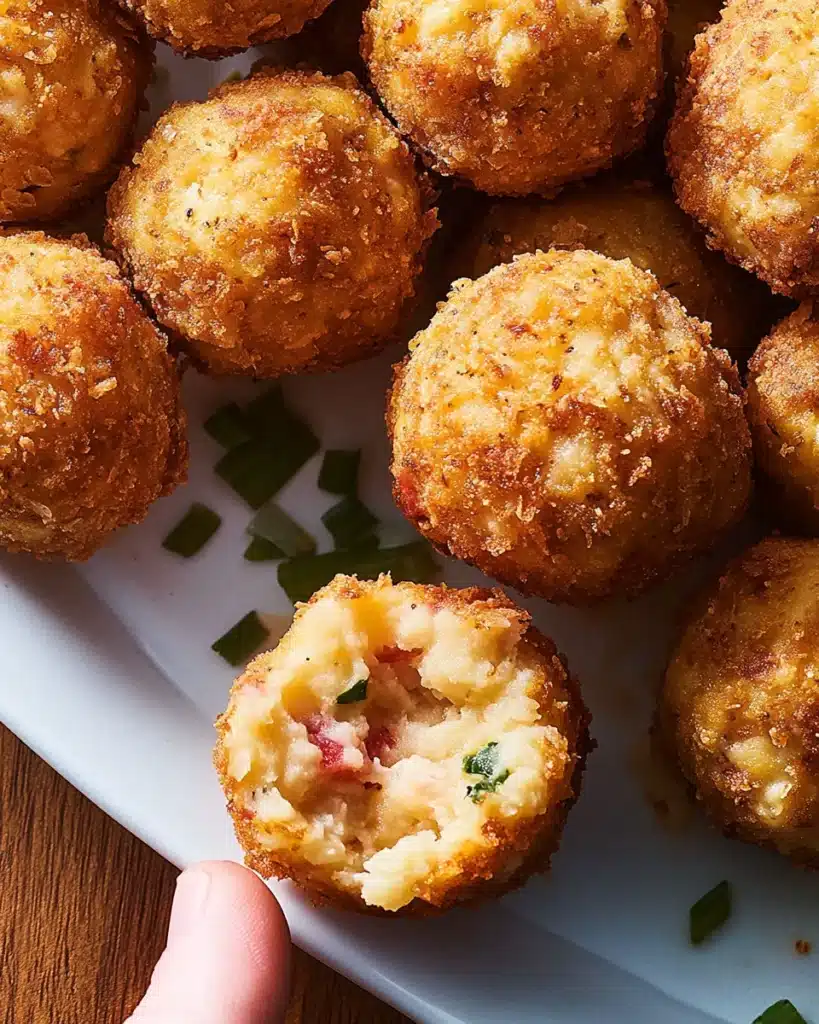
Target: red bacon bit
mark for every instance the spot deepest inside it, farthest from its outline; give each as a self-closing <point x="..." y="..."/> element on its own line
<point x="390" y="655"/>
<point x="379" y="742"/>
<point x="332" y="752"/>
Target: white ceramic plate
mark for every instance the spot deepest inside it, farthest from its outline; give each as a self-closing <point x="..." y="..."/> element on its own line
<point x="107" y="672"/>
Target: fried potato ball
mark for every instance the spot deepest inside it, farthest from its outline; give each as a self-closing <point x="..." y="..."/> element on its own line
<point x="563" y="425"/>
<point x="278" y="226"/>
<point x="740" y="704"/>
<point x="215" y="28"/>
<point x="91" y="426"/>
<point x="783" y="408"/>
<point x="516" y="97"/>
<point x="404" y="748"/>
<point x="636" y="221"/>
<point x="72" y="77"/>
<point x="744" y="143"/>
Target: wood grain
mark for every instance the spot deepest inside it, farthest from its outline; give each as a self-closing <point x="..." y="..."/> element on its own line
<point x="84" y="907"/>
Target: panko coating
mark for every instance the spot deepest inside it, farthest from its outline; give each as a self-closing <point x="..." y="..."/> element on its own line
<point x="563" y="425"/>
<point x="783" y="408"/>
<point x="514" y="96"/>
<point x="91" y="426"/>
<point x="278" y="226"/>
<point x="744" y="143"/>
<point x="636" y="221"/>
<point x="740" y="705"/>
<point x="216" y="28"/>
<point x="405" y="748"/>
<point x="73" y="74"/>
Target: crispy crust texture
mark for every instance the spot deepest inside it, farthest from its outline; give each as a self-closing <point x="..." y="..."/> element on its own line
<point x="512" y="850"/>
<point x="565" y="427"/>
<point x="743" y="148"/>
<point x="218" y="28"/>
<point x="783" y="409"/>
<point x="92" y="429"/>
<point x="274" y="252"/>
<point x="74" y="76"/>
<point x="635" y="220"/>
<point x="518" y="97"/>
<point x="740" y="706"/>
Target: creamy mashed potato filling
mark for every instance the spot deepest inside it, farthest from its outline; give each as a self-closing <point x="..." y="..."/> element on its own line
<point x="386" y="735"/>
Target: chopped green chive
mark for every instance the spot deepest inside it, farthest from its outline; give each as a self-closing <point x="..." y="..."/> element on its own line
<point x="273" y="524"/>
<point x="267" y="411"/>
<point x="193" y="531"/>
<point x="241" y="640"/>
<point x="357" y="692"/>
<point x="339" y="471"/>
<point x="478" y="790"/>
<point x="234" y="76"/>
<point x="783" y="1012"/>
<point x="349" y="522"/>
<point x="261" y="550"/>
<point x="710" y="912"/>
<point x="302" y="576"/>
<point x="484" y="762"/>
<point x="257" y="470"/>
<point x="227" y="426"/>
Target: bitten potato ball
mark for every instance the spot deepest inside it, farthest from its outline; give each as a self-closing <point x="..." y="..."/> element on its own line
<point x="72" y="77"/>
<point x="783" y="407"/>
<point x="404" y="748"/>
<point x="741" y="700"/>
<point x="91" y="427"/>
<point x="563" y="425"/>
<point x="516" y="97"/>
<point x="636" y="221"/>
<point x="278" y="226"/>
<point x="744" y="144"/>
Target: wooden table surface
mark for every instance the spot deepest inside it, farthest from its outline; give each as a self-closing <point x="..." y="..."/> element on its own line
<point x="84" y="907"/>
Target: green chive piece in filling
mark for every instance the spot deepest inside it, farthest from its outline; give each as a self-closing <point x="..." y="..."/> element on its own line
<point x="356" y="693"/>
<point x="485" y="762"/>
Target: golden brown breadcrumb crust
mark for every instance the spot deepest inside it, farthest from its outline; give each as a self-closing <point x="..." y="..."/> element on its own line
<point x="271" y="252"/>
<point x="747" y="669"/>
<point x="517" y="98"/>
<point x="74" y="78"/>
<point x="92" y="428"/>
<point x="529" y="845"/>
<point x="783" y="409"/>
<point x="743" y="148"/>
<point x="565" y="427"/>
<point x="635" y="220"/>
<point x="218" y="28"/>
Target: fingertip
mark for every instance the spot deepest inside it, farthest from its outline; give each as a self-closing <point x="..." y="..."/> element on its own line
<point x="228" y="955"/>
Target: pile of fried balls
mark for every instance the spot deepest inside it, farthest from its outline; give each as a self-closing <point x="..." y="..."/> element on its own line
<point x="621" y="200"/>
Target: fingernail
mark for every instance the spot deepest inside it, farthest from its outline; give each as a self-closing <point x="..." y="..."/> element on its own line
<point x="189" y="902"/>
